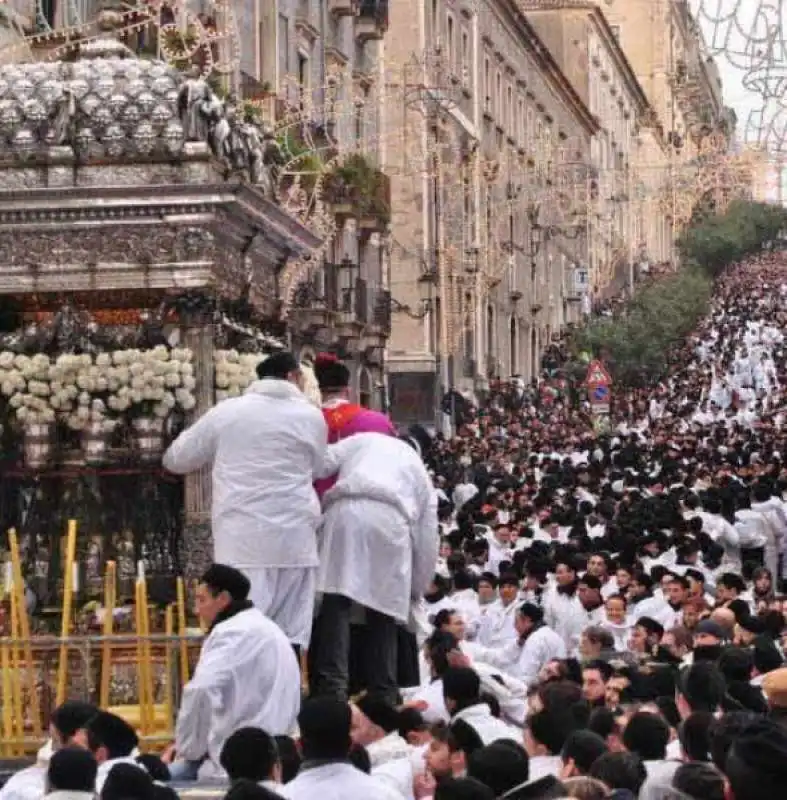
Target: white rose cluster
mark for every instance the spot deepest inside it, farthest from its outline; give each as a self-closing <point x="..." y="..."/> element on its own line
<point x="235" y="372"/>
<point x="24" y="381"/>
<point x="84" y="390"/>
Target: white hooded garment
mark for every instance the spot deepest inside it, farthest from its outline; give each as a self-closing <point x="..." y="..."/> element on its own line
<point x="379" y="537"/>
<point x="265" y="448"/>
<point x="247" y="675"/>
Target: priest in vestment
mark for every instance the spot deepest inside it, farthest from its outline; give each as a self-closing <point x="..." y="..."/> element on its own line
<point x="247" y="676"/>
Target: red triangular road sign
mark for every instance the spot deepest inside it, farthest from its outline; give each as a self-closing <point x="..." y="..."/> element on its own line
<point x="597" y="373"/>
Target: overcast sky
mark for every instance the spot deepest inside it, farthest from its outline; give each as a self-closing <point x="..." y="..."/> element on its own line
<point x="746" y="37"/>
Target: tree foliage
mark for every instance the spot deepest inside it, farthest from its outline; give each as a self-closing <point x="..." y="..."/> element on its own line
<point x="716" y="241"/>
<point x="636" y="343"/>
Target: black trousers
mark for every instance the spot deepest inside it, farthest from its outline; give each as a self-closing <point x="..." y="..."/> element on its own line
<point x="375" y="648"/>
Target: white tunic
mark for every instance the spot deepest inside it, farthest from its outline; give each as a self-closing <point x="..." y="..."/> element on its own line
<point x="247" y="675"/>
<point x="337" y="782"/>
<point x="379" y="538"/>
<point x="265" y="448"/>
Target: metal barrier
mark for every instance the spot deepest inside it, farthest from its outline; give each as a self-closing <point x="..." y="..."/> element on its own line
<point x="140" y="678"/>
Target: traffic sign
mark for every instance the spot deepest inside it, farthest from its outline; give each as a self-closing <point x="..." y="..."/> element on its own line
<point x="599" y="394"/>
<point x="597" y="374"/>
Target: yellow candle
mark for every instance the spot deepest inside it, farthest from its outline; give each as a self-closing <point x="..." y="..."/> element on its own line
<point x="68" y="600"/>
<point x="18" y="591"/>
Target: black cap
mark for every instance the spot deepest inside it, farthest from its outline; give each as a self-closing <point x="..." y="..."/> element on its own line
<point x="221" y="578"/>
<point x="72" y="716"/>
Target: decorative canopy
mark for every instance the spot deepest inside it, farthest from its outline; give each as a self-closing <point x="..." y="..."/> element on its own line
<point x="107" y="104"/>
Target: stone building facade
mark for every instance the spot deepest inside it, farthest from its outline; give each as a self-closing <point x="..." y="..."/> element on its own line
<point x="665" y="47"/>
<point x="326" y="58"/>
<point x="628" y="228"/>
<point x="489" y="183"/>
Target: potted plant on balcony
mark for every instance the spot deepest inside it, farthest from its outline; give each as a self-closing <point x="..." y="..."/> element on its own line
<point x="356" y="188"/>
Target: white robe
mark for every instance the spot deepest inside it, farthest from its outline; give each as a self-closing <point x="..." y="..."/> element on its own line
<point x="379" y="538"/>
<point x="247" y="675"/>
<point x="264" y="449"/>
<point x="337" y="782"/>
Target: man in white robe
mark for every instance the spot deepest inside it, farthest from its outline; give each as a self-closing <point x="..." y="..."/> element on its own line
<point x="247" y="676"/>
<point x="265" y="448"/>
<point x="378" y="548"/>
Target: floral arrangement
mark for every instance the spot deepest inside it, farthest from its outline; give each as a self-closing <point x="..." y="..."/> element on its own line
<point x="84" y="390"/>
<point x="235" y="372"/>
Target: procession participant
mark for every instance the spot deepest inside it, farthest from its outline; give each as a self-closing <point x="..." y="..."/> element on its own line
<point x="378" y="548"/>
<point x="265" y="449"/>
<point x="247" y="676"/>
<point x="66" y="728"/>
<point x="343" y="417"/>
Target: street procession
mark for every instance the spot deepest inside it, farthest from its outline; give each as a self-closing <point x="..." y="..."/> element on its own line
<point x="393" y="400"/>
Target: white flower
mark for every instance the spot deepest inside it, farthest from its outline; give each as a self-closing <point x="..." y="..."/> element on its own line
<point x="172" y="381"/>
<point x="6" y="360"/>
<point x="189" y="382"/>
<point x="161" y="410"/>
<point x="7" y="388"/>
<point x="48" y="415"/>
<point x="160" y="352"/>
<point x="138" y="383"/>
<point x="232" y="356"/>
<point x="15" y="401"/>
<point x="182" y="396"/>
<point x="186" y="369"/>
<point x="187" y="403"/>
<point x="84" y="399"/>
<point x="22" y="414"/>
<point x="104" y="360"/>
<point x="120" y="357"/>
<point x="222" y="380"/>
<point x="20" y="362"/>
<point x="136" y="396"/>
<point x="102" y="384"/>
<point x="233" y="391"/>
<point x="97" y="406"/>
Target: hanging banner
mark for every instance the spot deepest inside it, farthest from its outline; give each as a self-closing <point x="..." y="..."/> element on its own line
<point x="599" y="386"/>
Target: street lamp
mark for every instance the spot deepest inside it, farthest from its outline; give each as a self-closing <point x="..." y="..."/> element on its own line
<point x="426" y="284"/>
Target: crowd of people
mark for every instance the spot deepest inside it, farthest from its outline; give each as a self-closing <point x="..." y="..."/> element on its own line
<point x="525" y="609"/>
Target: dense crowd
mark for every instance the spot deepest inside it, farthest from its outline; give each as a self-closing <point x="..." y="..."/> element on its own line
<point x="605" y="617"/>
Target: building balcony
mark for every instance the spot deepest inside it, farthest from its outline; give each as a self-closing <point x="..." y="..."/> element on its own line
<point x="372" y="20"/>
<point x="343" y="8"/>
<point x="359" y="190"/>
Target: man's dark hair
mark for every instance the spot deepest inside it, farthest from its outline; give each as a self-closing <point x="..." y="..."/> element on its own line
<point x="289" y="757"/>
<point x="222" y="578"/>
<point x="583" y="748"/>
<point x="724" y="732"/>
<point x="72" y="716"/>
<point x="154" y="766"/>
<point x="695" y="735"/>
<point x="697" y="779"/>
<point x="620" y="771"/>
<point x="249" y="753"/>
<point x="501" y="766"/>
<point x="277" y="365"/>
<point x="702" y="686"/>
<point x="325" y="729"/>
<point x="463" y="789"/>
<point x="127" y="782"/>
<point x="756" y="765"/>
<point x="112" y="733"/>
<point x="72" y="769"/>
<point x="647" y="735"/>
<point x="532" y="612"/>
<point x="551" y="729"/>
<point x="462" y="685"/>
<point x="602" y="667"/>
<point x="250" y="790"/>
<point x="379" y="711"/>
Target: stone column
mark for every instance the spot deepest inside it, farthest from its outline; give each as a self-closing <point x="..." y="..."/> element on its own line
<point x="196" y="548"/>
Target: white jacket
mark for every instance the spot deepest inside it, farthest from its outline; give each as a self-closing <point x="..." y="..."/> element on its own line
<point x="378" y="540"/>
<point x="337" y="782"/>
<point x="489" y="728"/>
<point x="265" y="448"/>
<point x="247" y="675"/>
